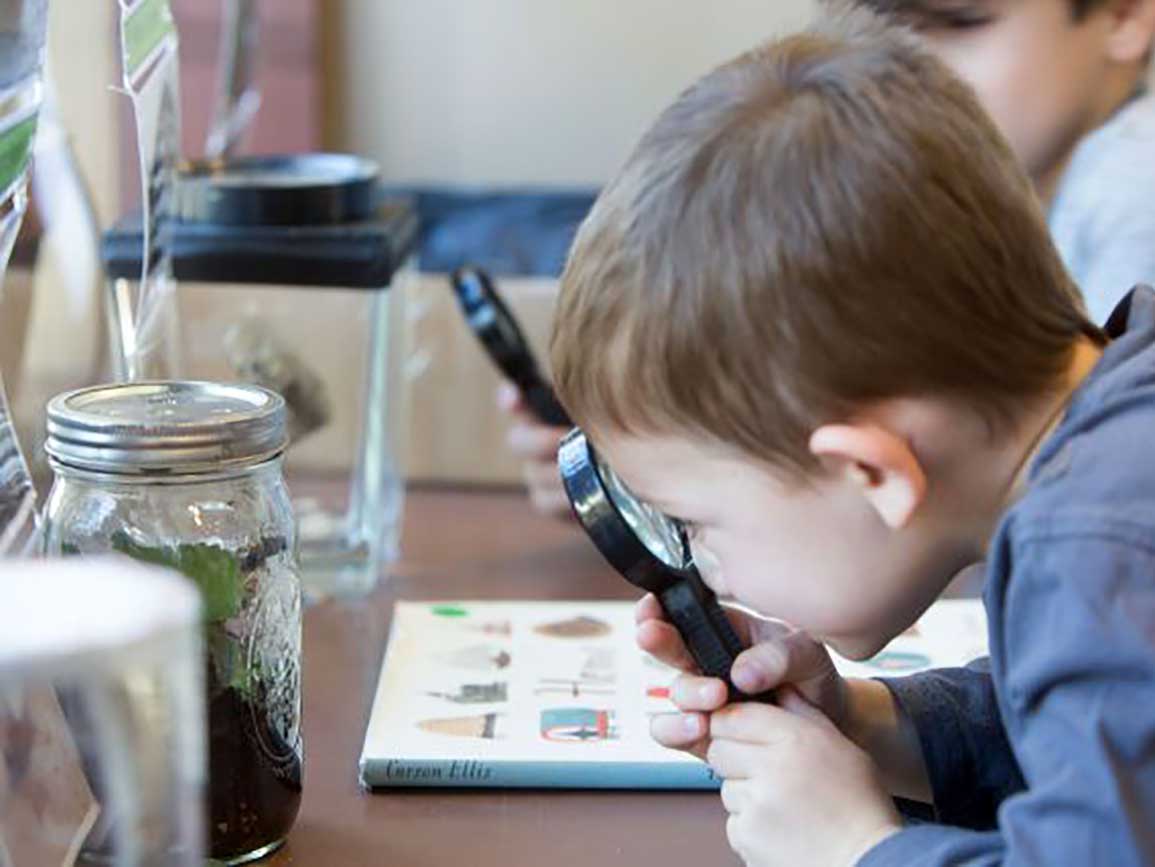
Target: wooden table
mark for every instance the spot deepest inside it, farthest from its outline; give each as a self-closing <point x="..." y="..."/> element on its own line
<point x="469" y="546"/>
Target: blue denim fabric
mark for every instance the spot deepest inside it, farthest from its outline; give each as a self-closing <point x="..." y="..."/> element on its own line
<point x="1046" y="754"/>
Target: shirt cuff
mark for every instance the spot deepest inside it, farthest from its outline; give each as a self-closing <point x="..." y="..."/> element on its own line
<point x="933" y="846"/>
<point x="939" y="720"/>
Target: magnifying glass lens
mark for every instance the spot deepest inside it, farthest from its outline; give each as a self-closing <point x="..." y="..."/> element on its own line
<point x="662" y="536"/>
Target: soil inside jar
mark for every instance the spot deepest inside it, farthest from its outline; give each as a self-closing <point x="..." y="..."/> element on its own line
<point x="254" y="776"/>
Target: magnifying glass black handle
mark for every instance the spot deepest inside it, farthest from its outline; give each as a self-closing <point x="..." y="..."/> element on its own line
<point x="540" y="400"/>
<point x="497" y="328"/>
<point x="706" y="631"/>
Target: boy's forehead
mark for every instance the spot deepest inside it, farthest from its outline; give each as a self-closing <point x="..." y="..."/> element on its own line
<point x="665" y="471"/>
<point x="652" y="467"/>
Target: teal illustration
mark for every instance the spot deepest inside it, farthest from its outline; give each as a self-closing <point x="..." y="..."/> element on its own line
<point x="578" y="725"/>
<point x="899" y="661"/>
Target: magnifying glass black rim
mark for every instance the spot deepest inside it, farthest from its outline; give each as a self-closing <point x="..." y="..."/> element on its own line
<point x="610" y="532"/>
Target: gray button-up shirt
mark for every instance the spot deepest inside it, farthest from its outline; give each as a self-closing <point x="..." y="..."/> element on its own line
<point x="1045" y="753"/>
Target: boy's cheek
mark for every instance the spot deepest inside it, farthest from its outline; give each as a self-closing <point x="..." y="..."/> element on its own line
<point x="857" y="647"/>
<point x="710" y="567"/>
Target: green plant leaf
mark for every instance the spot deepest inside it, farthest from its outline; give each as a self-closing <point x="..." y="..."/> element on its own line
<point x="216" y="572"/>
<point x="227" y="659"/>
<point x="219" y="575"/>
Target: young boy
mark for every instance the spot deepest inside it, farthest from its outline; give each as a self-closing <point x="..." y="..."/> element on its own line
<point x="1065" y="82"/>
<point x="819" y="319"/>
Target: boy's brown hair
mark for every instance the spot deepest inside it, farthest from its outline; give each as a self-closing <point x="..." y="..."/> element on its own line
<point x="827" y="221"/>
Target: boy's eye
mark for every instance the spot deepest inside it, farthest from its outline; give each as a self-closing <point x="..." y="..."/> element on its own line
<point x="966" y="21"/>
<point x="948" y="15"/>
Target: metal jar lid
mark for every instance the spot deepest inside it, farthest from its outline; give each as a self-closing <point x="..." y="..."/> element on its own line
<point x="165" y="428"/>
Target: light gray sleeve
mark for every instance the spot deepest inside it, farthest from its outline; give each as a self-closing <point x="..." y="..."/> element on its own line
<point x="1123" y="258"/>
<point x="1104" y="221"/>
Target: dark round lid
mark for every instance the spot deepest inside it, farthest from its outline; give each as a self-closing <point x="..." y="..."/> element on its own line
<point x="277" y="190"/>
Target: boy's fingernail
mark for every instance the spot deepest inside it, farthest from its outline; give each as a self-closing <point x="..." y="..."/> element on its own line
<point x="692" y="725"/>
<point x="746" y="678"/>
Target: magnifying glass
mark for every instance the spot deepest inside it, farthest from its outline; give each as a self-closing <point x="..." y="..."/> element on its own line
<point x="502" y="338"/>
<point x="651" y="551"/>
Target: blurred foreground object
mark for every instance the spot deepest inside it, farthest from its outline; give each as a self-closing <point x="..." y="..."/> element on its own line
<point x="102" y="731"/>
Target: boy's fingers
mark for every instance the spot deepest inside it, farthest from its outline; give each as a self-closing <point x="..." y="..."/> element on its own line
<point x="789" y="656"/>
<point x="662" y="641"/>
<point x="735" y="796"/>
<point x="754" y="723"/>
<point x="692" y="693"/>
<point x="760" y="668"/>
<point x="686" y="732"/>
<point x="734" y="760"/>
<point x="792" y="701"/>
<point x="648" y="608"/>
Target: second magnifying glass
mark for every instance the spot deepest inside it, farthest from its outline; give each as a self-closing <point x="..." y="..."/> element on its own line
<point x="496" y="328"/>
<point x="651" y="552"/>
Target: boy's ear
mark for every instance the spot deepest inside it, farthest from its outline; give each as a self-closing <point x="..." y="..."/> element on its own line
<point x="881" y="464"/>
<point x="1132" y="31"/>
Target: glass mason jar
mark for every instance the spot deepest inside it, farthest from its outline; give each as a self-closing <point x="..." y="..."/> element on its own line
<point x="188" y="475"/>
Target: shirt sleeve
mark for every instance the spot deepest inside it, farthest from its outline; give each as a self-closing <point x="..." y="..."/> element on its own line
<point x="970" y="763"/>
<point x="1121" y="262"/>
<point x="1113" y="248"/>
<point x="1079" y="648"/>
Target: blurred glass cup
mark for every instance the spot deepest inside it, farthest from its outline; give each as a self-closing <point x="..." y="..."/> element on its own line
<point x="102" y="718"/>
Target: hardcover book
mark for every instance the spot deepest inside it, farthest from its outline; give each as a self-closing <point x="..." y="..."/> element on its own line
<point x="557" y="695"/>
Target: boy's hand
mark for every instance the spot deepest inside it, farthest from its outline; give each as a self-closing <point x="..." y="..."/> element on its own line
<point x="778" y="655"/>
<point x="796" y="789"/>
<point x="535" y="445"/>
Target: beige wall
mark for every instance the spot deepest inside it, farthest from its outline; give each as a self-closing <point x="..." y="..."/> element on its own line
<point x="510" y="93"/>
<point x="513" y="92"/>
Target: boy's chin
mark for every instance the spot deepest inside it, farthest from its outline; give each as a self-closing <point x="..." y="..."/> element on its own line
<point x="858" y="648"/>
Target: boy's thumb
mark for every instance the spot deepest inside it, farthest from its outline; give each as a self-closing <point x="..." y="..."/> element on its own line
<point x="759" y="668"/>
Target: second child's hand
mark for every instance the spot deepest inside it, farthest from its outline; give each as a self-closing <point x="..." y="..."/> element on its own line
<point x="535" y="446"/>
